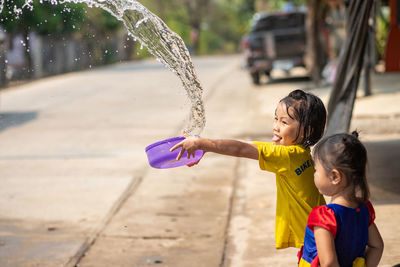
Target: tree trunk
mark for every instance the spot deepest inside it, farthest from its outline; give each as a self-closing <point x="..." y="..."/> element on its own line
<point x="370" y="53"/>
<point x="28" y="58"/>
<point x="197" y="10"/>
<point x="129" y="45"/>
<point x="3" y="64"/>
<point x="316" y="54"/>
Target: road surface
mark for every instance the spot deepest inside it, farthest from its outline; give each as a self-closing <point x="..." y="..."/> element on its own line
<point x="76" y="188"/>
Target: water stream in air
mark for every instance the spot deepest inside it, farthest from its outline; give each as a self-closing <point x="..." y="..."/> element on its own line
<point x="167" y="46"/>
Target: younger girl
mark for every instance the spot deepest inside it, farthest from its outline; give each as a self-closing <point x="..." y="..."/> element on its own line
<point x="342" y="233"/>
<point x="299" y="123"/>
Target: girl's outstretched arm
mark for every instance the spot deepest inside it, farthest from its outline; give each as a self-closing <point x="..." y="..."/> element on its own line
<point x="375" y="246"/>
<point x="326" y="247"/>
<point x="234" y="148"/>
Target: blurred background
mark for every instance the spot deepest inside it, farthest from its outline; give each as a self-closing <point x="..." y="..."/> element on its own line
<point x="75" y="182"/>
<point x="54" y="39"/>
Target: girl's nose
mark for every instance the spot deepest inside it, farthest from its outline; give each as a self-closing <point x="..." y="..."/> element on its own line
<point x="275" y="126"/>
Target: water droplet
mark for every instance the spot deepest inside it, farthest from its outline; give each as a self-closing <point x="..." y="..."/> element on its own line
<point x="167" y="47"/>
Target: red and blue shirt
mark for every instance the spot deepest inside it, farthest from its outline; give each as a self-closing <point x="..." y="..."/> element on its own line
<point x="349" y="228"/>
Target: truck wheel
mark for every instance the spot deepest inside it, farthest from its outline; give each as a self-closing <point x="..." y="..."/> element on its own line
<point x="256" y="78"/>
<point x="268" y="73"/>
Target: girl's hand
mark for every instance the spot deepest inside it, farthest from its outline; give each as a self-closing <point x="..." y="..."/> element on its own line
<point x="375" y="246"/>
<point x="190" y="144"/>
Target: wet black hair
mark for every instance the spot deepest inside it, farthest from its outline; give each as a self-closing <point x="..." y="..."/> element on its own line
<point x="310" y="112"/>
<point x="345" y="153"/>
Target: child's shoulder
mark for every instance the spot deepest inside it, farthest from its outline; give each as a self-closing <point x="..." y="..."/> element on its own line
<point x="298" y="149"/>
<point x="322" y="209"/>
<point x="273" y="146"/>
<point x="322" y="216"/>
<point x="271" y="150"/>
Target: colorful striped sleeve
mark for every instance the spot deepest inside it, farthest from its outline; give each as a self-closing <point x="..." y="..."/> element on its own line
<point x="324" y="217"/>
<point x="371" y="212"/>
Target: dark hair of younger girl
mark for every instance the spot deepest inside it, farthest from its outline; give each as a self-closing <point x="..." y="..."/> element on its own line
<point x="310" y="112"/>
<point x="345" y="153"/>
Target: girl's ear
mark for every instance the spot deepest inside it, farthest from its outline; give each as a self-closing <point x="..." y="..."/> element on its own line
<point x="336" y="177"/>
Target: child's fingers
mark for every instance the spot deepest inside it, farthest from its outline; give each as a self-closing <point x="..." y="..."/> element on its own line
<point x="180" y="154"/>
<point x="176" y="146"/>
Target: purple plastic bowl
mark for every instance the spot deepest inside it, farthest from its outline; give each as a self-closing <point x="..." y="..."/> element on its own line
<point x="160" y="157"/>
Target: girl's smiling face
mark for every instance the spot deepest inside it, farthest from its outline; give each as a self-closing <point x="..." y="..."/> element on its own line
<point x="285" y="129"/>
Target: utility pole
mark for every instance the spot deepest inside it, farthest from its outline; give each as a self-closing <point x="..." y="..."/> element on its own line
<point x="370" y="51"/>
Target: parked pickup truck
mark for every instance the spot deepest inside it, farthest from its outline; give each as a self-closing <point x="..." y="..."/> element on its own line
<point x="276" y="41"/>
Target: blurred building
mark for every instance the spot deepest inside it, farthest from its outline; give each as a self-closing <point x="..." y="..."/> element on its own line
<point x="392" y="57"/>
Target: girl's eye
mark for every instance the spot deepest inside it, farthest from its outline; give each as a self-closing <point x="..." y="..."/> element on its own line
<point x="284" y="122"/>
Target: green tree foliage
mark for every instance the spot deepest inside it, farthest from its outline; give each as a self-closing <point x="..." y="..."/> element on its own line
<point x="99" y="32"/>
<point x="276" y="5"/>
<point x="382" y="30"/>
<point x="58" y="20"/>
<point x="220" y="24"/>
<point x="228" y="21"/>
<point x="101" y="21"/>
<point x="44" y="18"/>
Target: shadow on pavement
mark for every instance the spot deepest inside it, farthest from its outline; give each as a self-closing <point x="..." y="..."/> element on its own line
<point x="383" y="170"/>
<point x="12" y="119"/>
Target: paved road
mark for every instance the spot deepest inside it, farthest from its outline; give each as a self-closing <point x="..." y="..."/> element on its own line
<point x="75" y="179"/>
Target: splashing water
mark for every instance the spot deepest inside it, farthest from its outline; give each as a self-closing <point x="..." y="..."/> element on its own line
<point x="160" y="41"/>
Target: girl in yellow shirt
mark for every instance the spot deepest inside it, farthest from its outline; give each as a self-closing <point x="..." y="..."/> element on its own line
<point x="299" y="123"/>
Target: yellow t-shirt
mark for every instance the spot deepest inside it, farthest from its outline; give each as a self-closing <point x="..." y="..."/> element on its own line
<point x="297" y="194"/>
